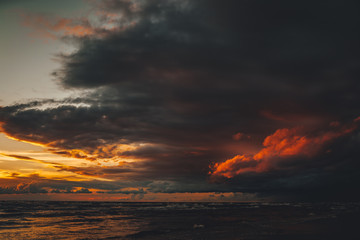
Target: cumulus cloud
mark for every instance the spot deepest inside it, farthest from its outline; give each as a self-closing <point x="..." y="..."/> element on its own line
<point x="282" y="145"/>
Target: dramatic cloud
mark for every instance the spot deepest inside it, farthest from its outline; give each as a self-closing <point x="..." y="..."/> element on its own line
<point x="282" y="145"/>
<point x="171" y="87"/>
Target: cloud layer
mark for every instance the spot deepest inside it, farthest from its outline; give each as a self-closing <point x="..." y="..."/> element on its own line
<point x="176" y="86"/>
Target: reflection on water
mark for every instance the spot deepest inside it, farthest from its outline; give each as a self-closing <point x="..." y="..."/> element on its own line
<point x="65" y="220"/>
<point x="111" y="220"/>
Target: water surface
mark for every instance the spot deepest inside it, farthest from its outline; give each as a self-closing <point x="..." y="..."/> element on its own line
<point x="114" y="220"/>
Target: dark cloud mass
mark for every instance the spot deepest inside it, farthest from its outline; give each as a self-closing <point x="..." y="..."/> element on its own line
<point x="180" y="78"/>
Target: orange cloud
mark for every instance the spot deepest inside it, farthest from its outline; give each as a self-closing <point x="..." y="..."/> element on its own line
<point x="100" y="25"/>
<point x="282" y="144"/>
<point x="285" y="142"/>
<point x="107" y="153"/>
<point x="234" y="166"/>
<point x="52" y="28"/>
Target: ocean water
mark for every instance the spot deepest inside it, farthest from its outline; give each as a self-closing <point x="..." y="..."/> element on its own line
<point x="119" y="220"/>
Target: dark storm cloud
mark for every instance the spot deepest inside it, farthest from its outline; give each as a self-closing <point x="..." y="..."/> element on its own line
<point x="331" y="175"/>
<point x="182" y="77"/>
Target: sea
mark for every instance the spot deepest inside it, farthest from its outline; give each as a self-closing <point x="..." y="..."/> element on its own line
<point x="138" y="220"/>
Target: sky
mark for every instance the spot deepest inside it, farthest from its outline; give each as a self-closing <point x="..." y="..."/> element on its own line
<point x="179" y="100"/>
